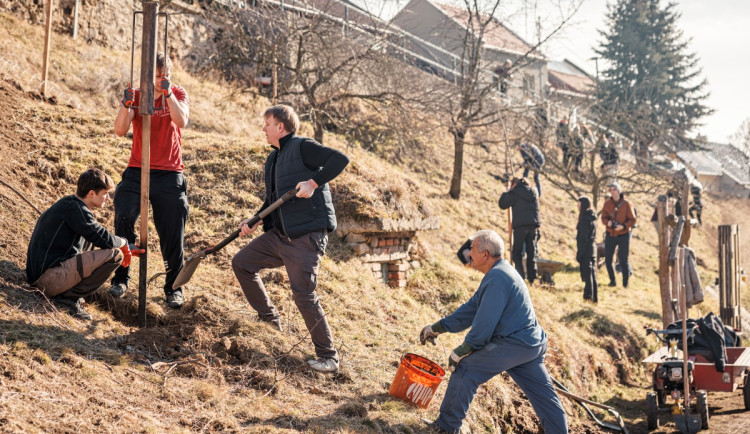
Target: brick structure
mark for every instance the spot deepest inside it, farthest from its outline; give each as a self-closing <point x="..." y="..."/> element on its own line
<point x="387" y="246"/>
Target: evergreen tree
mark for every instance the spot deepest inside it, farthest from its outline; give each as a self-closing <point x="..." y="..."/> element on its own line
<point x="651" y="89"/>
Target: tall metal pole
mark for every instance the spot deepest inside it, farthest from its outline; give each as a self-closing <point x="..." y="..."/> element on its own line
<point x="47" y="37"/>
<point x="146" y="109"/>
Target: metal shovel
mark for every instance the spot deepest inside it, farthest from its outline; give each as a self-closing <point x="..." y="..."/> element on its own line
<point x="191" y="263"/>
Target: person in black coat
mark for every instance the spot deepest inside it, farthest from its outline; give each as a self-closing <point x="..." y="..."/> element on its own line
<point x="586" y="252"/>
<point x="524" y="204"/>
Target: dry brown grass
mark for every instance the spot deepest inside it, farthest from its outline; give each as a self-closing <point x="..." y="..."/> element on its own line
<point x="212" y="366"/>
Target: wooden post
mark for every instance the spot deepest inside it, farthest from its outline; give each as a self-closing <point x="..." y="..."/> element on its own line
<point x="275" y="77"/>
<point x="684" y="312"/>
<point x="729" y="276"/>
<point x="47" y="37"/>
<point x="666" y="293"/>
<point x="510" y="229"/>
<point x="75" y="20"/>
<point x="685" y="213"/>
<point x="146" y="109"/>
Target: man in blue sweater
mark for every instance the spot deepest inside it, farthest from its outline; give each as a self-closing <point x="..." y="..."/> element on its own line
<point x="59" y="261"/>
<point x="504" y="337"/>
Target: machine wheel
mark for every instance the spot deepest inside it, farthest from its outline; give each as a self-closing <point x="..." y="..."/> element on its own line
<point x="652" y="411"/>
<point x="746" y="389"/>
<point x="702" y="403"/>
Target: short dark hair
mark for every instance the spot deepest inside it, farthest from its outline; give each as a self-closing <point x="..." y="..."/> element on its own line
<point x="93" y="179"/>
<point x="284" y="114"/>
<point x="161" y="60"/>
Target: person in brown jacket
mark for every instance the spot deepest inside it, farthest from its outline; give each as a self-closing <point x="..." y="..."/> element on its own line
<point x="618" y="218"/>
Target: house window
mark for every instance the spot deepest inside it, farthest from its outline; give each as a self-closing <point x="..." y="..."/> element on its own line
<point x="529" y="84"/>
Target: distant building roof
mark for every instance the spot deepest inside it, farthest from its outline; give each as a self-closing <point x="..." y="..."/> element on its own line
<point x="717" y="159"/>
<point x="345" y="9"/>
<point x="497" y="36"/>
<point x="566" y="76"/>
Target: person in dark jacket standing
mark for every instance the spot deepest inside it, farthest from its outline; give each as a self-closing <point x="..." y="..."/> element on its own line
<point x="524" y="204"/>
<point x="586" y="243"/>
<point x="618" y="218"/>
<point x="58" y="260"/>
<point x="295" y="235"/>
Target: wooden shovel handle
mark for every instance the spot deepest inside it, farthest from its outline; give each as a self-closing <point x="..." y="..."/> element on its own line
<point x="255" y="219"/>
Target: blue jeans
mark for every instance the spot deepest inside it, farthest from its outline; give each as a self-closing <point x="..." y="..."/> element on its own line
<point x="524" y="364"/>
<point x="536" y="180"/>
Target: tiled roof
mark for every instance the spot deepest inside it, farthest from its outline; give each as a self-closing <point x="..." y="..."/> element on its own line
<point x="573" y="83"/>
<point x="496" y="35"/>
<point x="717" y="159"/>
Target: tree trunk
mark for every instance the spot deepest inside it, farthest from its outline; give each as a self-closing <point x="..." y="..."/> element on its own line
<point x="458" y="162"/>
<point x="318" y="131"/>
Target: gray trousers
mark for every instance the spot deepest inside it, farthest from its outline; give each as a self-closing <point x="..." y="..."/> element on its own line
<point x="301" y="258"/>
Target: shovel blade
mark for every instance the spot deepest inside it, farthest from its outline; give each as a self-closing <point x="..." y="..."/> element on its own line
<point x="688" y="423"/>
<point x="188" y="268"/>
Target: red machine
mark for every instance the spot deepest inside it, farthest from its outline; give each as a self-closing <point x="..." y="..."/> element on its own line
<point x="669" y="380"/>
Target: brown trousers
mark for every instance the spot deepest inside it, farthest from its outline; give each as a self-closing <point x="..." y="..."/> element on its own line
<point x="80" y="275"/>
<point x="301" y="258"/>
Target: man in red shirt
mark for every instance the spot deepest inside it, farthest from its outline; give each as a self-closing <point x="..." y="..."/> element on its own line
<point x="168" y="188"/>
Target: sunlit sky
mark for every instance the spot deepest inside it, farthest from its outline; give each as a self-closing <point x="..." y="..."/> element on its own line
<point x="719" y="31"/>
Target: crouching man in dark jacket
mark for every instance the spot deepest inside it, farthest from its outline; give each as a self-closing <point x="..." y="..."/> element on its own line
<point x="524" y="204"/>
<point x="504" y="337"/>
<point x="585" y="254"/>
<point x="58" y="261"/>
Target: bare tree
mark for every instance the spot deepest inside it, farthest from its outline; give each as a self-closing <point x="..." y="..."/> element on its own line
<point x="473" y="101"/>
<point x="320" y="60"/>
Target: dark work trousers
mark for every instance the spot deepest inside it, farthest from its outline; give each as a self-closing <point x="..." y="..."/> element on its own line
<point x="524" y="239"/>
<point x="524" y="364"/>
<point x="168" y="197"/>
<point x="301" y="258"/>
<point x="537" y="181"/>
<point x="588" y="275"/>
<point x="622" y="243"/>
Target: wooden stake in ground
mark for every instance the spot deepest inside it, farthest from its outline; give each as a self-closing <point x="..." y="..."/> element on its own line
<point x="47" y="37"/>
<point x="666" y="293"/>
<point x="146" y="110"/>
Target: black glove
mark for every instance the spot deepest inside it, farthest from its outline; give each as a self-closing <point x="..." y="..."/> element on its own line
<point x="463" y="253"/>
<point x="128" y="97"/>
<point x="459" y="354"/>
<point x="166" y="86"/>
<point x="427" y="335"/>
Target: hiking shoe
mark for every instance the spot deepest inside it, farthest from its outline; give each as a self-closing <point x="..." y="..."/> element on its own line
<point x="434" y="426"/>
<point x="324" y="364"/>
<point x="74" y="306"/>
<point x="175" y="300"/>
<point x="118" y="289"/>
<point x="274" y="321"/>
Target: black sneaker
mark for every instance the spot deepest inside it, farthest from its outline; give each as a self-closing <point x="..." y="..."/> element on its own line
<point x="175" y="300"/>
<point x="118" y="289"/>
<point x="74" y="306"/>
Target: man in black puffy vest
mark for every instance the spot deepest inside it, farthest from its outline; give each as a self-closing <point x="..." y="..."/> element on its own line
<point x="295" y="234"/>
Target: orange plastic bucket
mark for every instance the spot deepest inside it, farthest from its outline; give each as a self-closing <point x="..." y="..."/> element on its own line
<point x="416" y="380"/>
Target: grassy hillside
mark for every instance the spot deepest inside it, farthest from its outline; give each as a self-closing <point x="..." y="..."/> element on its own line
<point x="212" y="366"/>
